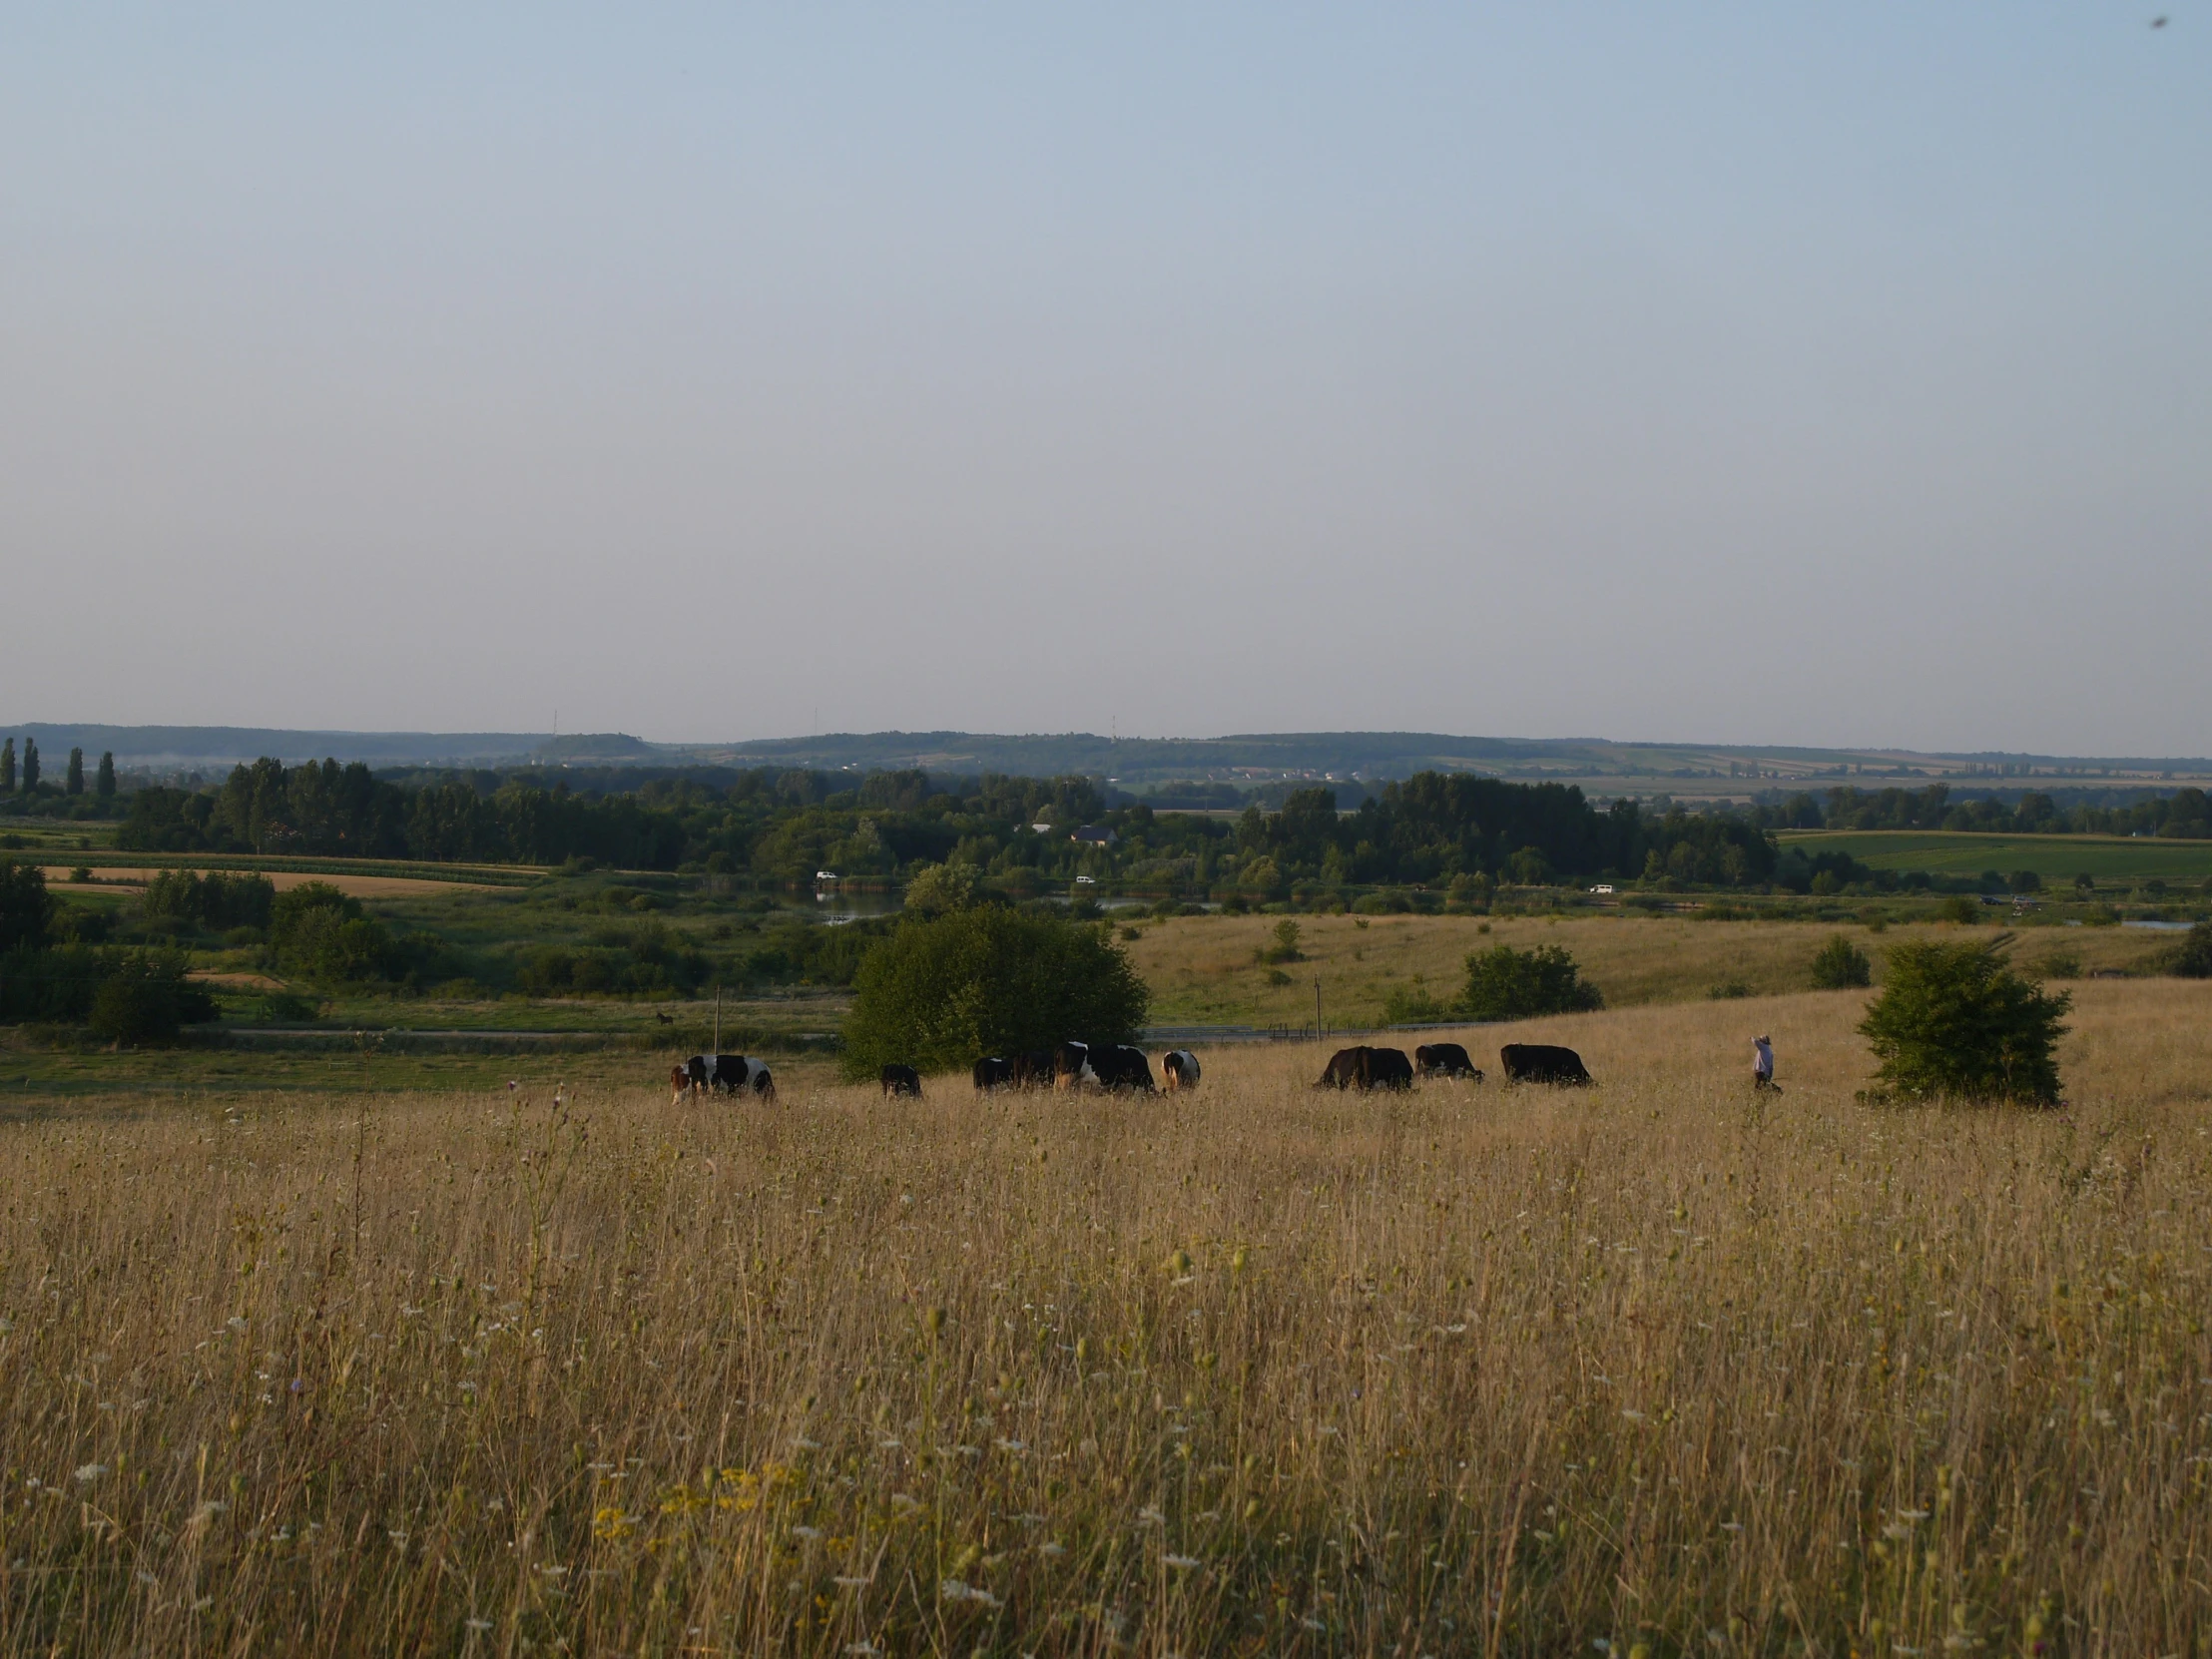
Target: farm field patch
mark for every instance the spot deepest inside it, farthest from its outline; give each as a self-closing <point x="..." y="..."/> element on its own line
<point x="1262" y="1369"/>
<point x="2056" y="859"/>
<point x="1203" y="970"/>
<point x="126" y="878"/>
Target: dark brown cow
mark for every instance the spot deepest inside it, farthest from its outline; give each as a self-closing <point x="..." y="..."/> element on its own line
<point x="1032" y="1070"/>
<point x="1368" y="1068"/>
<point x="901" y="1080"/>
<point x="1445" y="1060"/>
<point x="993" y="1073"/>
<point x="1543" y="1063"/>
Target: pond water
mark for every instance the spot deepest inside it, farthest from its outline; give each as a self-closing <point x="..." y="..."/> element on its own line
<point x="835" y="906"/>
<point x="2162" y="927"/>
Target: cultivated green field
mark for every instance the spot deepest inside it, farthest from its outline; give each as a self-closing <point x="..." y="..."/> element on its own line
<point x="2053" y="857"/>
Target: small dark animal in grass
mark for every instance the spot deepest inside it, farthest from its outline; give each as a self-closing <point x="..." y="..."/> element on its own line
<point x="901" y="1080"/>
<point x="1368" y="1068"/>
<point x="1032" y="1070"/>
<point x="732" y="1074"/>
<point x="1542" y="1063"/>
<point x="1445" y="1060"/>
<point x="993" y="1073"/>
<point x="1117" y="1066"/>
<point x="1178" y="1071"/>
<point x="665" y="1019"/>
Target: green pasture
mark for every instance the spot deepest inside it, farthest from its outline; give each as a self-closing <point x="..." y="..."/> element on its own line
<point x="2053" y="857"/>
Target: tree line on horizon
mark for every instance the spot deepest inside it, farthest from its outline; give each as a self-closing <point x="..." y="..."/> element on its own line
<point x="2182" y="814"/>
<point x="1459" y="832"/>
<point x="25" y="777"/>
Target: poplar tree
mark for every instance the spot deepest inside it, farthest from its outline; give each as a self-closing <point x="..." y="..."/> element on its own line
<point x="7" y="767"/>
<point x="30" y="766"/>
<point x="104" y="785"/>
<point x="74" y="783"/>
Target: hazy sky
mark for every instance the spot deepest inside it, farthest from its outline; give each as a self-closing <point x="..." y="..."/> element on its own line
<point x="1762" y="373"/>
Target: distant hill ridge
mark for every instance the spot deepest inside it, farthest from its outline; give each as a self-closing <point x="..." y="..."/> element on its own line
<point x="1134" y="763"/>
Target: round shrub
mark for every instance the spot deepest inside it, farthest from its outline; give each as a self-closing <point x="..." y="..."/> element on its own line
<point x="941" y="991"/>
<point x="1953" y="1020"/>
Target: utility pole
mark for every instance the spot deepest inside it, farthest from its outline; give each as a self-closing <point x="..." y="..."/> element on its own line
<point x="718" y="1017"/>
<point x="1317" y="1008"/>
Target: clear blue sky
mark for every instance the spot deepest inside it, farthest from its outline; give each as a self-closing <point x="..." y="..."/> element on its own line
<point x="1769" y="373"/>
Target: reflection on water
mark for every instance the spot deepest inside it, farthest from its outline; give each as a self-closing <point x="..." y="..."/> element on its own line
<point x="835" y="906"/>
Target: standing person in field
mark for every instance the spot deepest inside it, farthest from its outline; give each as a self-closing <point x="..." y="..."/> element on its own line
<point x="1762" y="1063"/>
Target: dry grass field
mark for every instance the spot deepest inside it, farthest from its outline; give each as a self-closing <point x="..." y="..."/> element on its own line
<point x="1260" y="1369"/>
<point x="1203" y="968"/>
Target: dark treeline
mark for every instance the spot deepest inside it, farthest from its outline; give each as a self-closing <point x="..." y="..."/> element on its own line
<point x="2182" y="813"/>
<point x="783" y="828"/>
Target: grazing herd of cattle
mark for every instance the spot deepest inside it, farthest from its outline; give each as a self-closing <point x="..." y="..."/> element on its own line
<point x="1118" y="1068"/>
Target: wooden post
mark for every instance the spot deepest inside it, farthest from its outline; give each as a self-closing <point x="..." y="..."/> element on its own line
<point x="1318" y="1034"/>
<point x="718" y="1017"/>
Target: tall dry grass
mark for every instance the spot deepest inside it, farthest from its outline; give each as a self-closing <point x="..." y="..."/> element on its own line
<point x="1260" y="1370"/>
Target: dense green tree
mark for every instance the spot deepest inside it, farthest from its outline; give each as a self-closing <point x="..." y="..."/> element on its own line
<point x="1505" y="983"/>
<point x="1953" y="1020"/>
<point x="7" y="767"/>
<point x="104" y="785"/>
<point x="943" y="991"/>
<point x="30" y="766"/>
<point x="26" y="907"/>
<point x="73" y="781"/>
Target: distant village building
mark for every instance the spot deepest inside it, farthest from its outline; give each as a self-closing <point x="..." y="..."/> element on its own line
<point x="1092" y="835"/>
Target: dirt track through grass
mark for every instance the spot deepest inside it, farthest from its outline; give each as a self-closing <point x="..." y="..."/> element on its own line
<point x="1262" y="1369"/>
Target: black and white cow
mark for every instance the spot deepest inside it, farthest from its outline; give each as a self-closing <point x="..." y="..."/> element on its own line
<point x="1118" y="1066"/>
<point x="1071" y="1067"/>
<point x="733" y="1074"/>
<point x="993" y="1073"/>
<point x="1445" y="1060"/>
<point x="1178" y="1071"/>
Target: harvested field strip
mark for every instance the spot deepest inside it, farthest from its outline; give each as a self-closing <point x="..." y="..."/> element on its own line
<point x="271" y="866"/>
<point x="132" y="879"/>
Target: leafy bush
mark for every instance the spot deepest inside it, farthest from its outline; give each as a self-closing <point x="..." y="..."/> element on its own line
<point x="1284" y="948"/>
<point x="215" y="900"/>
<point x="1734" y="991"/>
<point x="1839" y="966"/>
<point x="2194" y="959"/>
<point x="943" y="990"/>
<point x="1505" y="983"/>
<point x="1414" y="1005"/>
<point x="1955" y="1020"/>
<point x="140" y="1002"/>
<point x="1958" y="907"/>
